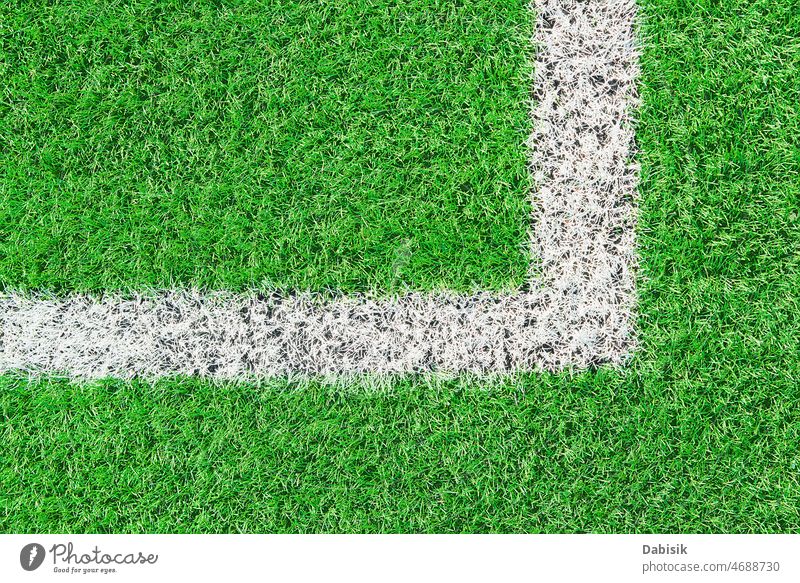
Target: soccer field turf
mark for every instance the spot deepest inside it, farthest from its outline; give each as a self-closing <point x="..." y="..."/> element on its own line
<point x="352" y="146"/>
<point x="700" y="432"/>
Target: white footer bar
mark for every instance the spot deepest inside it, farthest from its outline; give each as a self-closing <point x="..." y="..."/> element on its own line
<point x="415" y="558"/>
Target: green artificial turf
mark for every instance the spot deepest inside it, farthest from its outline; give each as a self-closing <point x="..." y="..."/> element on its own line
<point x="701" y="433"/>
<point x="366" y="145"/>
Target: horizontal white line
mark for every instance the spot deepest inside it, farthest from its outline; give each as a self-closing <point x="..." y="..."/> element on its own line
<point x="578" y="311"/>
<point x="231" y="336"/>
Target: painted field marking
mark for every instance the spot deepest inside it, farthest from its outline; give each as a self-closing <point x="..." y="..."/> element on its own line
<point x="577" y="309"/>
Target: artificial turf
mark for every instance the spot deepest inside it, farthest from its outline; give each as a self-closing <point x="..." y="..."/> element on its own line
<point x="700" y="433"/>
<point x="368" y="145"/>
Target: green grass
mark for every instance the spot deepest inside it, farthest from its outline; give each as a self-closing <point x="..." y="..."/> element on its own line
<point x="367" y="145"/>
<point x="700" y="434"/>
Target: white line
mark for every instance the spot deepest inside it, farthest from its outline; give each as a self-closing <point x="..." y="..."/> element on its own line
<point x="576" y="311"/>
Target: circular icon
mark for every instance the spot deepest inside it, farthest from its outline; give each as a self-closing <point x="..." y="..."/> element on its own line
<point x="31" y="556"/>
